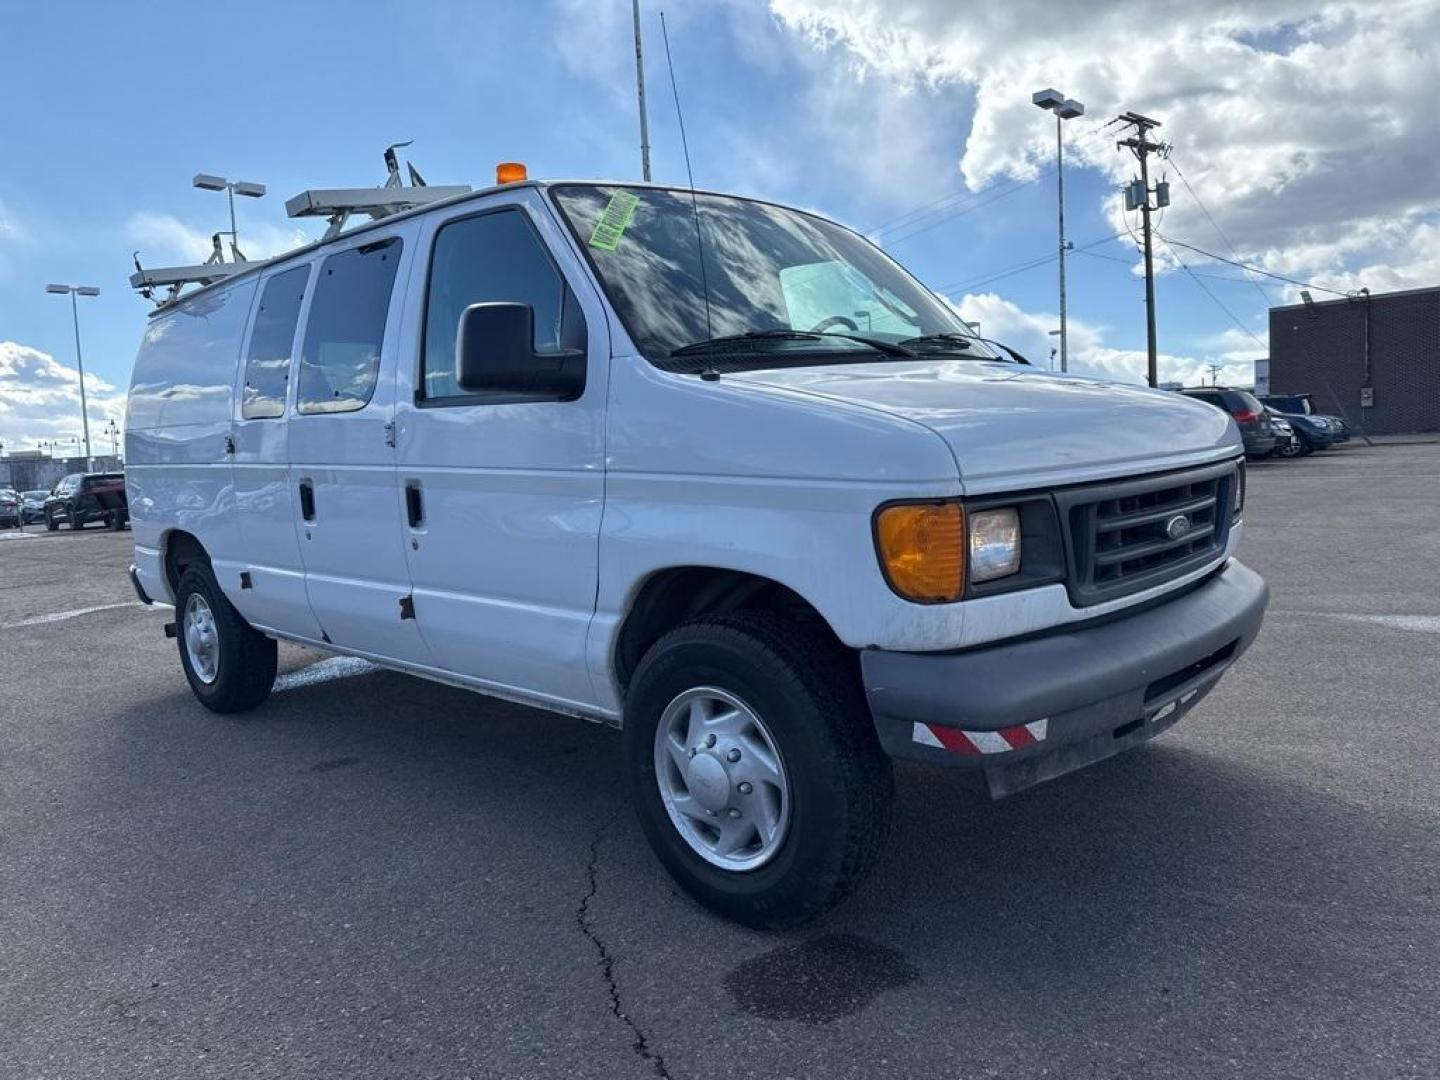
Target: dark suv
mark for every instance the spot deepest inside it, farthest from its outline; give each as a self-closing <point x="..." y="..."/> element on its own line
<point x="1249" y="416"/>
<point x="1319" y="429"/>
<point x="84" y="497"/>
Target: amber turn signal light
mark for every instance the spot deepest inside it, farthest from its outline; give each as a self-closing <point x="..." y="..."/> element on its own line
<point x="922" y="550"/>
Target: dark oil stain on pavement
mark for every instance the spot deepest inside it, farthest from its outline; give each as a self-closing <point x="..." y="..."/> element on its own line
<point x="337" y="763"/>
<point x="818" y="981"/>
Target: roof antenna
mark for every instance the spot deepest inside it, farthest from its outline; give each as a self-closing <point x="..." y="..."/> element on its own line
<point x="694" y="205"/>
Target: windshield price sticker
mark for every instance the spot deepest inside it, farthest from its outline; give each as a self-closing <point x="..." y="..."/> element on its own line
<point x="612" y="224"/>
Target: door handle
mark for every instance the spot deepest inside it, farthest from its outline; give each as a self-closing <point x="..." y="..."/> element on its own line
<point x="307" y="500"/>
<point x="414" y="506"/>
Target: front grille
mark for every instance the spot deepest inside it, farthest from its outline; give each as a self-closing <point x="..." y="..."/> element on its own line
<point x="1136" y="534"/>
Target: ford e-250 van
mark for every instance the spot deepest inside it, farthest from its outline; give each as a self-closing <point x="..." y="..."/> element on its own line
<point x="709" y="469"/>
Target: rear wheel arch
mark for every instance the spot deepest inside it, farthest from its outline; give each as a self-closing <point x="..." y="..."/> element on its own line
<point x="180" y="550"/>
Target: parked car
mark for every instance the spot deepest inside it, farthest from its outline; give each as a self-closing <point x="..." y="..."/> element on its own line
<point x="10" y="508"/>
<point x="1311" y="433"/>
<point x="33" y="504"/>
<point x="781" y="518"/>
<point x="1335" y="428"/>
<point x="1286" y="442"/>
<point x="1249" y="415"/>
<point x="84" y="497"/>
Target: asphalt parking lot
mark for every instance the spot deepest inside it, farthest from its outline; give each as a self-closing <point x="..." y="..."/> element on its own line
<point x="374" y="876"/>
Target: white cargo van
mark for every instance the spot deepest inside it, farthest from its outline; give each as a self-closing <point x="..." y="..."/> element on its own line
<point x="709" y="469"/>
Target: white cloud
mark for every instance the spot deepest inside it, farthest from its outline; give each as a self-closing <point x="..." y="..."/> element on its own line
<point x="40" y="400"/>
<point x="1307" y="126"/>
<point x="164" y="239"/>
<point x="1029" y="333"/>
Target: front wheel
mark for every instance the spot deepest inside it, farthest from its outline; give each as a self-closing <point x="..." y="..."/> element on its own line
<point x="51" y="525"/>
<point x="754" y="767"/>
<point x="1296" y="447"/>
<point x="229" y="664"/>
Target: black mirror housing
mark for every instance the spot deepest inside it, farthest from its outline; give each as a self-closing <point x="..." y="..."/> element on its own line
<point x="495" y="352"/>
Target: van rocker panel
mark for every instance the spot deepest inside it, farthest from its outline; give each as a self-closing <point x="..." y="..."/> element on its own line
<point x="1030" y="710"/>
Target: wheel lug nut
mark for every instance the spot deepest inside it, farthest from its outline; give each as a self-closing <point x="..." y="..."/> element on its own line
<point x="734" y="812"/>
<point x="709" y="741"/>
<point x="746" y="787"/>
<point x="733" y="755"/>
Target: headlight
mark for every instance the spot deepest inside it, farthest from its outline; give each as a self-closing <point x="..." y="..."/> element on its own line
<point x="927" y="552"/>
<point x="994" y="544"/>
<point x="1320" y="422"/>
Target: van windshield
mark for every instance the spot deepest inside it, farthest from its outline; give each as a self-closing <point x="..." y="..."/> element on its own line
<point x="783" y="288"/>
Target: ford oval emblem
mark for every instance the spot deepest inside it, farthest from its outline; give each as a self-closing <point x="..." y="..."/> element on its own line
<point x="1177" y="526"/>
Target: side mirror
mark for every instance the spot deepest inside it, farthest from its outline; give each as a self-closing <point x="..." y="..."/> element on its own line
<point x="495" y="351"/>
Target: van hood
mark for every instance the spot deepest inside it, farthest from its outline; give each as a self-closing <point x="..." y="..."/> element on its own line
<point x="1010" y="426"/>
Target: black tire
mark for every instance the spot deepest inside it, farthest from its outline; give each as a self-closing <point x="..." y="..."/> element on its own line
<point x="807" y="689"/>
<point x="115" y="522"/>
<point x="51" y="525"/>
<point x="76" y="522"/>
<point x="245" y="672"/>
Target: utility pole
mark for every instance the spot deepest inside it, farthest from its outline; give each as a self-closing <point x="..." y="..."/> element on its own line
<point x="640" y="93"/>
<point x="1137" y="196"/>
<point x="1064" y="109"/>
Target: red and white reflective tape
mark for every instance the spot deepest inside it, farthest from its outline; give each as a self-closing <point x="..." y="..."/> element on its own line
<point x="981" y="742"/>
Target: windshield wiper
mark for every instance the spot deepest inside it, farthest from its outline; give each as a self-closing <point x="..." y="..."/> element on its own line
<point x="725" y="342"/>
<point x="955" y="341"/>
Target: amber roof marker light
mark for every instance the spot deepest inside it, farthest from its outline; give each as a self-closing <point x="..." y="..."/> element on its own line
<point x="510" y="172"/>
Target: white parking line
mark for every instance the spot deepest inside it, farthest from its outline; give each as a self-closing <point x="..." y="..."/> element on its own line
<point x="1416" y="624"/>
<point x="61" y="616"/>
<point x="16" y="536"/>
<point x="335" y="667"/>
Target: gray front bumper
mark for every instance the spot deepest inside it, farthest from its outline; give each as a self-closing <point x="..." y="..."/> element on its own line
<point x="1027" y="711"/>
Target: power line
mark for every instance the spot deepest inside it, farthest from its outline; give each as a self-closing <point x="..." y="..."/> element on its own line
<point x="1010" y="271"/>
<point x="939" y="208"/>
<point x="1254" y="269"/>
<point x="1206" y="289"/>
<point x="1215" y="224"/>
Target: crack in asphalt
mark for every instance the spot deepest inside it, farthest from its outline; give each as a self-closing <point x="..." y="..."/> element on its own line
<point x="641" y="1042"/>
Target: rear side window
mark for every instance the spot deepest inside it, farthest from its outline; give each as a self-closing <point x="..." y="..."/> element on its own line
<point x="267" y="364"/>
<point x="340" y="360"/>
<point x="1210" y="399"/>
<point x="495" y="256"/>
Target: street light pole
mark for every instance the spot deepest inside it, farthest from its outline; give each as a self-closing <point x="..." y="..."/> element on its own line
<point x="74" y="291"/>
<point x="209" y="182"/>
<point x="1064" y="109"/>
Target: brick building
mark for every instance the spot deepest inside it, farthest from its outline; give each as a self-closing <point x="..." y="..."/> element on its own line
<point x="1374" y="361"/>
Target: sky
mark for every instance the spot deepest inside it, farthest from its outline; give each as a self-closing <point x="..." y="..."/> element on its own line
<point x="1304" y="141"/>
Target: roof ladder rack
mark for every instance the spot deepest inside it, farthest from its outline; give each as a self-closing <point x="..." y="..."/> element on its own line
<point x="337" y="204"/>
<point x="175" y="278"/>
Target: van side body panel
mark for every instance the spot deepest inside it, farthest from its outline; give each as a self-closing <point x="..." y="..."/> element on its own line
<point x="177" y="424"/>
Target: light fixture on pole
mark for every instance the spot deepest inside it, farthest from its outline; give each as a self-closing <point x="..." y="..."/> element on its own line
<point x="74" y="291"/>
<point x="1064" y="109"/>
<point x="113" y="430"/>
<point x="208" y="182"/>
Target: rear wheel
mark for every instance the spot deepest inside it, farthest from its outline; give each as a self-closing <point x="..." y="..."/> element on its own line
<point x="754" y="767"/>
<point x="230" y="665"/>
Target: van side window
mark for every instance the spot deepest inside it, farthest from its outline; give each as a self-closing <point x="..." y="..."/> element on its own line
<point x="492" y="256"/>
<point x="267" y="364"/>
<point x="340" y="360"/>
